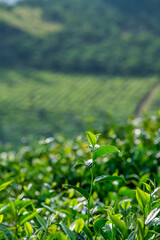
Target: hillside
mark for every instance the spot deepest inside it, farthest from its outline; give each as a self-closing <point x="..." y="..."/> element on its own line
<point x="36" y="103"/>
<point x="114" y="37"/>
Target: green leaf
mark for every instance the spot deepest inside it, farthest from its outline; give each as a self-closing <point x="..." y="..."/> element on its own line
<point x="79" y="162"/>
<point x="68" y="232"/>
<point x="105" y="178"/>
<point x="104" y="150"/>
<point x="99" y="224"/>
<point x="41" y="222"/>
<point x="91" y="138"/>
<point x="143" y="198"/>
<point x="1" y="218"/>
<point x="28" y="217"/>
<point x="79" y="224"/>
<point x="28" y="229"/>
<point x="140" y="232"/>
<point x="6" y="231"/>
<point x="152" y="215"/>
<point x="119" y="224"/>
<point x="80" y="190"/>
<point x="57" y="236"/>
<point x="125" y="204"/>
<point x="4" y="185"/>
<point x="87" y="231"/>
<point x="12" y="208"/>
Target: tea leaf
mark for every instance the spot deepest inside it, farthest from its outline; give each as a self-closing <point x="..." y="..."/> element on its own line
<point x="106" y="149"/>
<point x="87" y="231"/>
<point x="99" y="224"/>
<point x="41" y="222"/>
<point x="80" y="190"/>
<point x="28" y="217"/>
<point x="152" y="215"/>
<point x="6" y="231"/>
<point x="105" y="178"/>
<point x="28" y="228"/>
<point x="4" y="185"/>
<point x="79" y="224"/>
<point x="68" y="232"/>
<point x="119" y="224"/>
<point x="1" y="218"/>
<point x="91" y="138"/>
<point x="143" y="198"/>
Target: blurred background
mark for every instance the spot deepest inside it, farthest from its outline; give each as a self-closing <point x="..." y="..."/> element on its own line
<point x="71" y="65"/>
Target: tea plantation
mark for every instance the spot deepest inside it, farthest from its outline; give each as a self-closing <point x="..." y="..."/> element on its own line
<point x="106" y="187"/>
<point x="40" y="103"/>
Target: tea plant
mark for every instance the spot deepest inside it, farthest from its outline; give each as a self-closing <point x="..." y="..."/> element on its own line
<point x="33" y="204"/>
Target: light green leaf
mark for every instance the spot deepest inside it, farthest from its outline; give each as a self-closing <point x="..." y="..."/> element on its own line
<point x="6" y="231"/>
<point x="91" y="138"/>
<point x="80" y="190"/>
<point x="28" y="229"/>
<point x="1" y="218"/>
<point x="143" y="198"/>
<point x="105" y="178"/>
<point x="119" y="224"/>
<point x="68" y="232"/>
<point x="125" y="204"/>
<point x="79" y="224"/>
<point x="104" y="150"/>
<point x="79" y="162"/>
<point x="152" y="215"/>
<point x="99" y="224"/>
<point x="140" y="233"/>
<point x="88" y="233"/>
<point x="4" y="185"/>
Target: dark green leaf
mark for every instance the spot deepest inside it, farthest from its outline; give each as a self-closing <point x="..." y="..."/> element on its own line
<point x="41" y="222"/>
<point x="99" y="224"/>
<point x="80" y="190"/>
<point x="6" y="232"/>
<point x="87" y="231"/>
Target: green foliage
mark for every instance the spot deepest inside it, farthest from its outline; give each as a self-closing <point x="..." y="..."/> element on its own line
<point x="35" y="204"/>
<point x="36" y="94"/>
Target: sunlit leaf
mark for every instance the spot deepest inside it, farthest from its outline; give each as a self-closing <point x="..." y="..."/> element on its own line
<point x="119" y="224"/>
<point x="152" y="215"/>
<point x="91" y="138"/>
<point x="143" y="198"/>
<point x="79" y="224"/>
<point x="4" y="185"/>
<point x="28" y="228"/>
<point x="105" y="178"/>
<point x="103" y="150"/>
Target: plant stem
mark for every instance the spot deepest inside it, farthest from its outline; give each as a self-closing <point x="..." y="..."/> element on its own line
<point x="90" y="193"/>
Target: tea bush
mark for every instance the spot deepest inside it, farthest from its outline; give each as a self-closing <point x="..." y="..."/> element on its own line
<point x="51" y="190"/>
